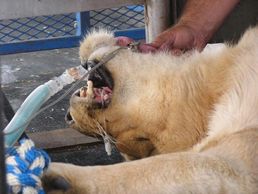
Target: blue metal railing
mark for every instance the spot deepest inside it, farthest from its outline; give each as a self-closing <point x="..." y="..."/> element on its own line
<point x="64" y="31"/>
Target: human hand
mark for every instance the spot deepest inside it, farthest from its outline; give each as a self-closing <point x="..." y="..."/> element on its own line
<point x="178" y="39"/>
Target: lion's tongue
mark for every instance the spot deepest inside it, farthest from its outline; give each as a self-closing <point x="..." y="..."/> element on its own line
<point x="101" y="94"/>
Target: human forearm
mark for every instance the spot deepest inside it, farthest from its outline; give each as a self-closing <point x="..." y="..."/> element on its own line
<point x="206" y="16"/>
<point x="198" y="23"/>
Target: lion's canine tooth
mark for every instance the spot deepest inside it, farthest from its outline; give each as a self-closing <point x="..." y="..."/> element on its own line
<point x="83" y="92"/>
<point x="105" y="97"/>
<point x="89" y="92"/>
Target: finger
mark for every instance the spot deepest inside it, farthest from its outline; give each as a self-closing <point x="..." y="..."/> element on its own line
<point x="163" y="37"/>
<point x="177" y="52"/>
<point x="146" y="48"/>
<point x="158" y="42"/>
<point x="167" y="45"/>
<point x="123" y="41"/>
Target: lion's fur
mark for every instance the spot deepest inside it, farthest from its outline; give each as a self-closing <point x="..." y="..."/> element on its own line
<point x="204" y="104"/>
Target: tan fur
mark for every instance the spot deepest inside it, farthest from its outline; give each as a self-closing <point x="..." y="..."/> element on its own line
<point x="203" y="106"/>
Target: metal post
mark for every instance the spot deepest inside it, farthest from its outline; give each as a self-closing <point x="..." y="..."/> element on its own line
<point x="84" y="23"/>
<point x="2" y="165"/>
<point x="157" y="17"/>
<point x="7" y="108"/>
<point x="2" y="152"/>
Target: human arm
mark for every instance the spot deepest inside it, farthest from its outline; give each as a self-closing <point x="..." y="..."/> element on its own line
<point x="199" y="21"/>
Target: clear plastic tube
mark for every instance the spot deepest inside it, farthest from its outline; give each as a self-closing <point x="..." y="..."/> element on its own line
<point x="30" y="107"/>
<point x="35" y="100"/>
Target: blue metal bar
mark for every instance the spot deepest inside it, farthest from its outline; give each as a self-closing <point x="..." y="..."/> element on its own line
<point x="136" y="34"/>
<point x="3" y="184"/>
<point x="36" y="45"/>
<point x="78" y="20"/>
<point x="84" y="23"/>
<point x="64" y="31"/>
<point x="64" y="42"/>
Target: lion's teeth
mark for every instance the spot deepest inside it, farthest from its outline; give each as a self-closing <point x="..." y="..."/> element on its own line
<point x="89" y="91"/>
<point x="83" y="92"/>
<point x="105" y="97"/>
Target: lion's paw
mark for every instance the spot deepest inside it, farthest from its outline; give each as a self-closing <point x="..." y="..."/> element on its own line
<point x="54" y="181"/>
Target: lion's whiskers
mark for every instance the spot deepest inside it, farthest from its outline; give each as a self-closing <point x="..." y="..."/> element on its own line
<point x="103" y="133"/>
<point x="107" y="138"/>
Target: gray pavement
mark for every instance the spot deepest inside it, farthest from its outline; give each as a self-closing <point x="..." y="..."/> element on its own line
<point x="22" y="73"/>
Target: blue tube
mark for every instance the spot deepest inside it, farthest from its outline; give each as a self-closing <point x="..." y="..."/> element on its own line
<point x="35" y="100"/>
<point x="22" y="117"/>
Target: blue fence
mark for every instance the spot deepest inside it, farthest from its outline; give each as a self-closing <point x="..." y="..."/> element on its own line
<point x="64" y="31"/>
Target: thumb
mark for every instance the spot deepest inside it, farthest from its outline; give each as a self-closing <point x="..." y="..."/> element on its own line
<point x="177" y="52"/>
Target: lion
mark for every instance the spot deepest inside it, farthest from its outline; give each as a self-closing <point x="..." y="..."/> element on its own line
<point x="189" y="123"/>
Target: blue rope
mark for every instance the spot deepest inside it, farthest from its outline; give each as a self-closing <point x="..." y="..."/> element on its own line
<point x="24" y="167"/>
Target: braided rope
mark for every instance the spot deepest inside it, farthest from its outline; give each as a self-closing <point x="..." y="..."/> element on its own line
<point x="24" y="167"/>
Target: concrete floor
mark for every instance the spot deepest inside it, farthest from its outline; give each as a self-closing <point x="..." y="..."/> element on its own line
<point x="21" y="73"/>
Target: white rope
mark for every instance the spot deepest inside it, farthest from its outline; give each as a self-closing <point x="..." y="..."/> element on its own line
<point x="25" y="165"/>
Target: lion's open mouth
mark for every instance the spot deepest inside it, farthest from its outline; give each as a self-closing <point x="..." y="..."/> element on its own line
<point x="99" y="87"/>
<point x="99" y="96"/>
<point x="97" y="93"/>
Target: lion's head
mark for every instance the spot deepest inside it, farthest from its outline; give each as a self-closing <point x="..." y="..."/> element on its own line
<point x="129" y="99"/>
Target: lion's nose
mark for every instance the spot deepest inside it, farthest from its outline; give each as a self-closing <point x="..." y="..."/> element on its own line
<point x="68" y="118"/>
<point x="90" y="63"/>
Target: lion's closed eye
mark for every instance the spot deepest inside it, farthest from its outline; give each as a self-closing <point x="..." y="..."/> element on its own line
<point x="141" y="139"/>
